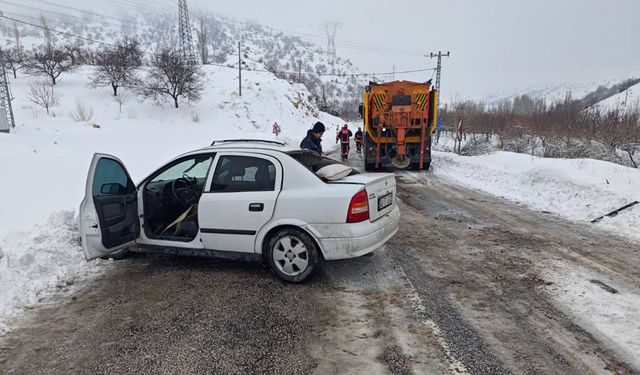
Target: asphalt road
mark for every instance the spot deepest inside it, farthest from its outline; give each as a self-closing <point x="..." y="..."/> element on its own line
<point x="458" y="290"/>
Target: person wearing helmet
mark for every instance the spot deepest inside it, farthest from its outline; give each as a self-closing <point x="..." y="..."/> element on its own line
<point x="359" y="139"/>
<point x="345" y="139"/>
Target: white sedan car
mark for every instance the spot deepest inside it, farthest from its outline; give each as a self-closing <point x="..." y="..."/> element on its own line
<point x="239" y="199"/>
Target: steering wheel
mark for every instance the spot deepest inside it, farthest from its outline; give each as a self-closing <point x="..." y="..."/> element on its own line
<point x="183" y="190"/>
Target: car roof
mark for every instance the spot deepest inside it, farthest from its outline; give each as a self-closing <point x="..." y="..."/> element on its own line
<point x="247" y="144"/>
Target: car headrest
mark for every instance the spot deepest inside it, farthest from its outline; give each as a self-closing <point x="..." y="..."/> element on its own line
<point x="236" y="170"/>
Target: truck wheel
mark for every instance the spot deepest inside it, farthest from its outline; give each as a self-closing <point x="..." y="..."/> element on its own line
<point x="292" y="255"/>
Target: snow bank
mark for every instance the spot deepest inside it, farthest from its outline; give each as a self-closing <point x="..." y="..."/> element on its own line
<point x="611" y="317"/>
<point x="578" y="189"/>
<point x="37" y="263"/>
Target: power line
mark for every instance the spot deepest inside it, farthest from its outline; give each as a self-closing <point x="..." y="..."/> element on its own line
<point x="58" y="31"/>
<point x="221" y="65"/>
<point x="64" y="15"/>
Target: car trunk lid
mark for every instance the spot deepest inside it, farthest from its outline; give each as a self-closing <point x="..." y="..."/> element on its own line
<point x="381" y="190"/>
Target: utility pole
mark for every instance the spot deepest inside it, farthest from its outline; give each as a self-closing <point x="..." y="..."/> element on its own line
<point x="239" y="71"/>
<point x="439" y="55"/>
<point x="393" y="75"/>
<point x="6" y="121"/>
<point x="184" y="32"/>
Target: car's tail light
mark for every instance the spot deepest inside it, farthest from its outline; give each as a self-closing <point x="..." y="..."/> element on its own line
<point x="358" y="208"/>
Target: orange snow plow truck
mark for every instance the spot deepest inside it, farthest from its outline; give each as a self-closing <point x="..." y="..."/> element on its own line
<point x="399" y="119"/>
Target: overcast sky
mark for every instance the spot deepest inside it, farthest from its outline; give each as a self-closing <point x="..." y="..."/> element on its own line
<point x="496" y="45"/>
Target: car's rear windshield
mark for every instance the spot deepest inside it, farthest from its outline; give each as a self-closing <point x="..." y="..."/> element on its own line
<point x="314" y="161"/>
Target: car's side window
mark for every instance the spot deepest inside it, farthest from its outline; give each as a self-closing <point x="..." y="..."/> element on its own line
<point x="196" y="167"/>
<point x="110" y="178"/>
<point x="243" y="173"/>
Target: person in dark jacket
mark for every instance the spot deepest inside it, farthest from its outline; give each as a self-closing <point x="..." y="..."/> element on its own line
<point x="359" y="138"/>
<point x="313" y="140"/>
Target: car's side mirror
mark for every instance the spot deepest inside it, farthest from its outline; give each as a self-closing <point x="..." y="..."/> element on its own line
<point x="360" y="110"/>
<point x="112" y="188"/>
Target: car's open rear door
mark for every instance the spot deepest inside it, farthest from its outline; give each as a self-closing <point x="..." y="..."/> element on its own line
<point x="108" y="216"/>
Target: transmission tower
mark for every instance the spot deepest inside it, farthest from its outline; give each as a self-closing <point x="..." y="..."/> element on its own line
<point x="439" y="55"/>
<point x="331" y="28"/>
<point x="5" y="100"/>
<point x="184" y="31"/>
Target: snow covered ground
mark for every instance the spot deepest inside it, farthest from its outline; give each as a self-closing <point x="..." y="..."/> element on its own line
<point x="578" y="189"/>
<point x="609" y="309"/>
<point x="44" y="162"/>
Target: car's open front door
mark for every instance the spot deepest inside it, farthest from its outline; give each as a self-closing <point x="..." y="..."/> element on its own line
<point x="108" y="216"/>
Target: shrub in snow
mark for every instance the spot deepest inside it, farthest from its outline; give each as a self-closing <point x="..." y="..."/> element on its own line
<point x="41" y="93"/>
<point x="121" y="98"/>
<point x="195" y="117"/>
<point x="81" y="113"/>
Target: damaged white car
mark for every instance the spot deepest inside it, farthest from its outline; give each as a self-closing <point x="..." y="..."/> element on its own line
<point x="240" y="199"/>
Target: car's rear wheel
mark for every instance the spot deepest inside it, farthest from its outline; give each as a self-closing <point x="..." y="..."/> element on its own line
<point x="292" y="255"/>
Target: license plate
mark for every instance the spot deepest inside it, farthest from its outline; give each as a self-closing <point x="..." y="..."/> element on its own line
<point x="385" y="201"/>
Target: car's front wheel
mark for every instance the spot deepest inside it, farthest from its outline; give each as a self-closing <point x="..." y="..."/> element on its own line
<point x="292" y="255"/>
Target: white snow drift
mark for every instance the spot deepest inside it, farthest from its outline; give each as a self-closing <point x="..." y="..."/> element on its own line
<point x="578" y="189"/>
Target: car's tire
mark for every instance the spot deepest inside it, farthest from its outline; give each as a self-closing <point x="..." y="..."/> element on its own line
<point x="292" y="255"/>
<point x="118" y="255"/>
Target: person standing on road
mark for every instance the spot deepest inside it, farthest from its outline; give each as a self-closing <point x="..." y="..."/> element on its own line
<point x="359" y="139"/>
<point x="313" y="140"/>
<point x="345" y="138"/>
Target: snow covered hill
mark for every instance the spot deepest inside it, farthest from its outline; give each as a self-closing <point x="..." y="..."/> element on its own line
<point x="46" y="158"/>
<point x="628" y="99"/>
<point x="278" y="51"/>
<point x="595" y="93"/>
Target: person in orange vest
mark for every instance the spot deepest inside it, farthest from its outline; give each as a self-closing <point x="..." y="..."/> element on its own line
<point x="344" y="136"/>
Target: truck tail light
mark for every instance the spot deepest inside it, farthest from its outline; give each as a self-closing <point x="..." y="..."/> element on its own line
<point x="358" y="208"/>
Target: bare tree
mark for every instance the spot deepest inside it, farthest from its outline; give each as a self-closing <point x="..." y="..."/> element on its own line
<point x="50" y="64"/>
<point x="74" y="51"/>
<point x="116" y="66"/>
<point x="13" y="60"/>
<point x="203" y="49"/>
<point x="172" y="75"/>
<point x="42" y="94"/>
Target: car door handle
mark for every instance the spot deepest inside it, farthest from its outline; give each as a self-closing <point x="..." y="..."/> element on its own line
<point x="256" y="207"/>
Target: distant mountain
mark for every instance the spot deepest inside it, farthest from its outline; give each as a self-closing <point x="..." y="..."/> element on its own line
<point x="590" y="93"/>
